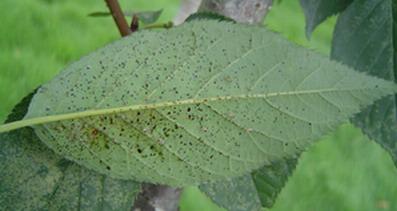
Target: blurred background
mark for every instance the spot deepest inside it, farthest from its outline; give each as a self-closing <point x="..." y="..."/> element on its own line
<point x="344" y="171"/>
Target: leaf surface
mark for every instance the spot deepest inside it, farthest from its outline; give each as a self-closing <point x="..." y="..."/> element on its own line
<point x="204" y="101"/>
<point x="234" y="194"/>
<point x="253" y="191"/>
<point x="32" y="177"/>
<point x="366" y="39"/>
<point x="317" y="11"/>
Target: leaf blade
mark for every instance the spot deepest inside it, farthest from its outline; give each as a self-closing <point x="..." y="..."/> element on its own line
<point x="200" y="131"/>
<point x="234" y="194"/>
<point x="147" y="17"/>
<point x="270" y="180"/>
<point x="316" y="11"/>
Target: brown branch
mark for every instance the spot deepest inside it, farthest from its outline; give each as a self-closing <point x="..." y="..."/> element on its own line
<point x="118" y="17"/>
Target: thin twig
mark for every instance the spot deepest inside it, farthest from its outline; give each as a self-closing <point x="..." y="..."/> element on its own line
<point x="118" y="17"/>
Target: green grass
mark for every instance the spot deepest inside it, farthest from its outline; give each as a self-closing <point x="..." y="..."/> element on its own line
<point x="345" y="171"/>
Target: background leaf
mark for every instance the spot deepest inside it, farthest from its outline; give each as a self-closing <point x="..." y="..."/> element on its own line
<point x="99" y="14"/>
<point x="147" y="17"/>
<point x="208" y="16"/>
<point x="365" y="38"/>
<point x="234" y="194"/>
<point x="185" y="105"/>
<point x="253" y="191"/>
<point x="32" y="177"/>
<point x="316" y="11"/>
<point x="270" y="180"/>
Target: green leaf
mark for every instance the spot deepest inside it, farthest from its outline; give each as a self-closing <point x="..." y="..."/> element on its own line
<point x="208" y="16"/>
<point x="316" y="11"/>
<point x="270" y="180"/>
<point x="366" y="39"/>
<point x="99" y="14"/>
<point x="32" y="177"/>
<point x="234" y="194"/>
<point x="147" y="17"/>
<point x="252" y="191"/>
<point x="204" y="101"/>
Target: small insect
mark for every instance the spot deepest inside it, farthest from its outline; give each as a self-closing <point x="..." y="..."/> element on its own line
<point x="94" y="132"/>
<point x="146" y="129"/>
<point x="227" y="79"/>
<point x="231" y="115"/>
<point x="161" y="141"/>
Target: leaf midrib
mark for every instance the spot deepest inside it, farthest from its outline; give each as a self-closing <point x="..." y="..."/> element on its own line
<point x="95" y="112"/>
